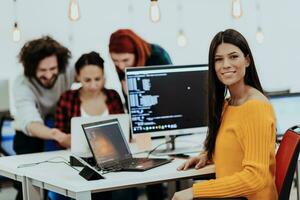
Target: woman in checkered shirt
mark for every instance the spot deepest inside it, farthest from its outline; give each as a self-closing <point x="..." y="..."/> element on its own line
<point x="92" y="98"/>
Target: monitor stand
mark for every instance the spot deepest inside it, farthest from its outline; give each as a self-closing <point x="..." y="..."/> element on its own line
<point x="171" y="150"/>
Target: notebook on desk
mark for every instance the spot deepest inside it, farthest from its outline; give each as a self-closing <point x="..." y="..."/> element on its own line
<point x="111" y="151"/>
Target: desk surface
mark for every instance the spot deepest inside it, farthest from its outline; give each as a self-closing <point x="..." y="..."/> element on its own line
<point x="63" y="179"/>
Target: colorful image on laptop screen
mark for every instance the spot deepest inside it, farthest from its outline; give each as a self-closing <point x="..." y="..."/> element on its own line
<point x="107" y="141"/>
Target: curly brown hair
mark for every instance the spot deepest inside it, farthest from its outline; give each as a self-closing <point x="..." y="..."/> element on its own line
<point x="36" y="50"/>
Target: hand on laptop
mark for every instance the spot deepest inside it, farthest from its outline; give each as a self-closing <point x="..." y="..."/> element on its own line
<point x="197" y="161"/>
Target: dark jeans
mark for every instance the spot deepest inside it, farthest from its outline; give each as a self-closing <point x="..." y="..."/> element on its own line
<point x="156" y="192"/>
<point x="24" y="144"/>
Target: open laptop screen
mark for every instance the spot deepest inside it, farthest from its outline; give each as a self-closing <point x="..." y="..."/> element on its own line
<point x="106" y="141"/>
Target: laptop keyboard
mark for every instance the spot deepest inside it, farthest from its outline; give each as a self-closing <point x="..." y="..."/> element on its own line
<point x="132" y="162"/>
<point x="112" y="168"/>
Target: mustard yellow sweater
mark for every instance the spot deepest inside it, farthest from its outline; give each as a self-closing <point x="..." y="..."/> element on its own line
<point x="244" y="154"/>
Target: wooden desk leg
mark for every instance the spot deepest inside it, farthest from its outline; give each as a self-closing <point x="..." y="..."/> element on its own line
<point x="83" y="196"/>
<point x="33" y="192"/>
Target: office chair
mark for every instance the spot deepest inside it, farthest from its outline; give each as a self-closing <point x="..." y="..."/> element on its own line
<point x="286" y="162"/>
<point x="3" y="117"/>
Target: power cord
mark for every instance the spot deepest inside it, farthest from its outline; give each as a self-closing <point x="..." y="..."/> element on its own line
<point x="166" y="142"/>
<point x="48" y="161"/>
<point x="151" y="151"/>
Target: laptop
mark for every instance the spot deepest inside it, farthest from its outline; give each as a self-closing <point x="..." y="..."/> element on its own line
<point x="111" y="151"/>
<point x="79" y="145"/>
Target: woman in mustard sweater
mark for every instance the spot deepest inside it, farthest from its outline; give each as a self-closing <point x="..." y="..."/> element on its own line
<point x="241" y="133"/>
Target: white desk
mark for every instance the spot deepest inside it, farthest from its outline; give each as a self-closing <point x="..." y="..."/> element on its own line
<point x="8" y="168"/>
<point x="63" y="179"/>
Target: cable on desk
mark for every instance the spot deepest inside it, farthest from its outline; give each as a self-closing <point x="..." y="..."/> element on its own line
<point x="48" y="161"/>
<point x="151" y="151"/>
<point x="166" y="142"/>
<point x="141" y="152"/>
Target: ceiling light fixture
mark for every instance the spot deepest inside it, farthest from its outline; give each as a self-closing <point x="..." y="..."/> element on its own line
<point x="16" y="33"/>
<point x="237" y="11"/>
<point x="74" y="12"/>
<point x="181" y="39"/>
<point x="154" y="12"/>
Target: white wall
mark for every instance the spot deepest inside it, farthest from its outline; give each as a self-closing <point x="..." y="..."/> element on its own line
<point x="277" y="58"/>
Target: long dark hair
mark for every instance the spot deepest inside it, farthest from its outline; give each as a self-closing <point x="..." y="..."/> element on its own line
<point x="217" y="90"/>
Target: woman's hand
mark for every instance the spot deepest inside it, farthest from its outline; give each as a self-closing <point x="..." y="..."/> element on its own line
<point x="183" y="195"/>
<point x="197" y="161"/>
<point x="62" y="138"/>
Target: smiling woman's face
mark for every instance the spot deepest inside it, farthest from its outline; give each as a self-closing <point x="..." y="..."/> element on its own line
<point x="230" y="64"/>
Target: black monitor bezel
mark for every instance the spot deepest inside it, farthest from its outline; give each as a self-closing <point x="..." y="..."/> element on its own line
<point x="202" y="129"/>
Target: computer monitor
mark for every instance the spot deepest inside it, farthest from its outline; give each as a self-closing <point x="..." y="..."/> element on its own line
<point x="168" y="100"/>
<point x="287" y="110"/>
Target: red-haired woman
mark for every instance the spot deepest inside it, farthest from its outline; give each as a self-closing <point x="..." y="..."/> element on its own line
<point x="127" y="49"/>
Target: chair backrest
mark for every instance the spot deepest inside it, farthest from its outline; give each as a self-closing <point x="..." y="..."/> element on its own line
<point x="286" y="162"/>
<point x="4" y="94"/>
<point x="5" y="140"/>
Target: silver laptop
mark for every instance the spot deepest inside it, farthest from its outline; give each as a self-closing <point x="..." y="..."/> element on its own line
<point x="111" y="151"/>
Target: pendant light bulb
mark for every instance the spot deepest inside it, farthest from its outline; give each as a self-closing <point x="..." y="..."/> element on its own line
<point x="154" y="12"/>
<point x="181" y="39"/>
<point x="237" y="11"/>
<point x="16" y="33"/>
<point x="260" y="35"/>
<point x="74" y="12"/>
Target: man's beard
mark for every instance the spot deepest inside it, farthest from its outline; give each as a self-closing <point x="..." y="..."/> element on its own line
<point x="54" y="79"/>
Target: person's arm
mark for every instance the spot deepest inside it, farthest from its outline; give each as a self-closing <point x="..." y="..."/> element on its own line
<point x="62" y="119"/>
<point x="26" y="108"/>
<point x="62" y="115"/>
<point x="39" y="130"/>
<point x="28" y="118"/>
<point x="198" y="162"/>
<point x="256" y="136"/>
